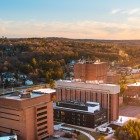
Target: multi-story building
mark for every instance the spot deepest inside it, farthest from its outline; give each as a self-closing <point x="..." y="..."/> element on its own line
<point x="89" y="114"/>
<point x="107" y="95"/>
<point x="133" y="90"/>
<point x="113" y="77"/>
<point x="29" y="115"/>
<point x="90" y="71"/>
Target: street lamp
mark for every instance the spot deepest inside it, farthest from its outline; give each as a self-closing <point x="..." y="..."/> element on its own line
<point x="3" y="86"/>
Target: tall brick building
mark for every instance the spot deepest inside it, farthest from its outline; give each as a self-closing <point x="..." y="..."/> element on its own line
<point x="90" y="71"/>
<point x="29" y="115"/>
<point x="105" y="94"/>
<point x="89" y="85"/>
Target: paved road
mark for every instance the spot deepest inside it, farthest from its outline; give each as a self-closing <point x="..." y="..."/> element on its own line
<point x="130" y="111"/>
<point x="87" y="134"/>
<point x="85" y="128"/>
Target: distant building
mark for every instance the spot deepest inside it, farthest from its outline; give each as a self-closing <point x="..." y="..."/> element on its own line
<point x="107" y="95"/>
<point x="29" y="115"/>
<point x="29" y="82"/>
<point x="133" y="90"/>
<point x="88" y="115"/>
<point x="113" y="77"/>
<point x="91" y="71"/>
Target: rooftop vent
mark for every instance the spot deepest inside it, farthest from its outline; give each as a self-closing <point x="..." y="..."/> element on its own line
<point x="25" y="95"/>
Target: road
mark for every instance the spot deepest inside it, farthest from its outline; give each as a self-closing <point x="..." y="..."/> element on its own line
<point x="87" y="134"/>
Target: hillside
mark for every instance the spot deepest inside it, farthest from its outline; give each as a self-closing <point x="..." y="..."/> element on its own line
<point x="47" y="57"/>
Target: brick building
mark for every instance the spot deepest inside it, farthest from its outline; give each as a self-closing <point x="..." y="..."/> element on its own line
<point x="90" y="71"/>
<point x="133" y="90"/>
<point x="105" y="94"/>
<point x="113" y="77"/>
<point x="29" y="115"/>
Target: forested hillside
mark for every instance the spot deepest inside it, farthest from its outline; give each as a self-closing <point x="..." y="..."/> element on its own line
<point x="47" y="57"/>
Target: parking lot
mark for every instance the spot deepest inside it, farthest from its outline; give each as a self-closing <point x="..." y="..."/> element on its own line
<point x="130" y="111"/>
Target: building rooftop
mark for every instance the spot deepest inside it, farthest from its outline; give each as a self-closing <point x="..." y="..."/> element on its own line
<point x="89" y="107"/>
<point x="23" y="95"/>
<point x="19" y="95"/>
<point x="14" y="137"/>
<point x="134" y="84"/>
<point x="23" y="99"/>
<point x="44" y="90"/>
<point x="90" y="62"/>
<point x="107" y="88"/>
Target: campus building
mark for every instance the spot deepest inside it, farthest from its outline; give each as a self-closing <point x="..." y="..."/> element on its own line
<point x="88" y="114"/>
<point x="113" y="77"/>
<point x="27" y="114"/>
<point x="107" y="95"/>
<point x="133" y="90"/>
<point x="90" y="71"/>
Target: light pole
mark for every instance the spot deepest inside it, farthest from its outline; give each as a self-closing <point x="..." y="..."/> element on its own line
<point x="12" y="84"/>
<point x="108" y="104"/>
<point x="3" y="87"/>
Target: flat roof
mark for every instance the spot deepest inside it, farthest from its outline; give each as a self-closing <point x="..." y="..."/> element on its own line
<point x="17" y="97"/>
<point x="8" y="137"/>
<point x="122" y="120"/>
<point x="87" y="104"/>
<point x="108" y="88"/>
<point x="76" y="110"/>
<point x="134" y="84"/>
<point x="23" y="100"/>
<point x="45" y="90"/>
<point x="90" y="106"/>
<point x="89" y="62"/>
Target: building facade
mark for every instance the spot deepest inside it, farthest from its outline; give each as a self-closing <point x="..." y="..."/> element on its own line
<point x="29" y="115"/>
<point x="76" y="113"/>
<point x="90" y="71"/>
<point x="133" y="90"/>
<point x="105" y="94"/>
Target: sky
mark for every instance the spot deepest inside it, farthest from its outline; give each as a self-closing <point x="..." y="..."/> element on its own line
<point x="88" y="19"/>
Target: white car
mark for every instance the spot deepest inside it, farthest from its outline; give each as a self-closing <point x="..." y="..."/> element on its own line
<point x="28" y="82"/>
<point x="105" y="130"/>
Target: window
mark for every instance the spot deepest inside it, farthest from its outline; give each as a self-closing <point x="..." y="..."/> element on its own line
<point x="42" y="113"/>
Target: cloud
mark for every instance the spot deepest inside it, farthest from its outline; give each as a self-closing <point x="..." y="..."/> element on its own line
<point x="115" y="11"/>
<point x="76" y="29"/>
<point x="135" y="11"/>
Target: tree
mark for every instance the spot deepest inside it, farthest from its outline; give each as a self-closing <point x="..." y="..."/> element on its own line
<point x="123" y="84"/>
<point x="130" y="131"/>
<point x="51" y="83"/>
<point x="48" y="76"/>
<point x="34" y="63"/>
<point x="102" y="138"/>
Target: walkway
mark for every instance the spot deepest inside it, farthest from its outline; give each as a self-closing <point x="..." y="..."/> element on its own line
<point x="87" y="134"/>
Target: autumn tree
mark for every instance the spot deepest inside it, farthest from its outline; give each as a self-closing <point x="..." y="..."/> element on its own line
<point x="130" y="131"/>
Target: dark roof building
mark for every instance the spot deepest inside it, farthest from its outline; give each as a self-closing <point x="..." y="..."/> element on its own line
<point x="76" y="113"/>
